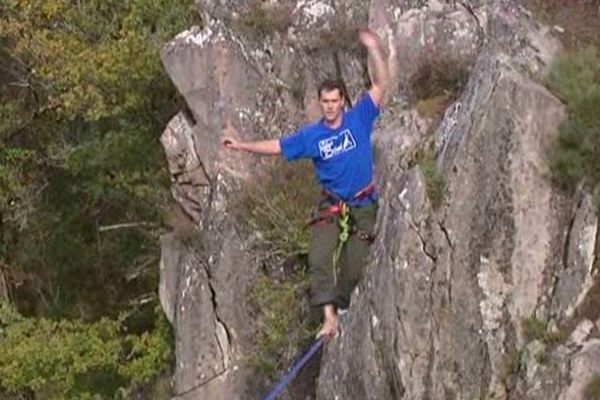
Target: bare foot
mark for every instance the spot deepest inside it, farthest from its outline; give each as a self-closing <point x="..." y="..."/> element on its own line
<point x="331" y="328"/>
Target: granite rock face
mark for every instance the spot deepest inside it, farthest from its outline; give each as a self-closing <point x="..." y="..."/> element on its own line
<point x="442" y="310"/>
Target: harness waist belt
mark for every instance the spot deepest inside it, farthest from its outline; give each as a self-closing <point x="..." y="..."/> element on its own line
<point x="362" y="194"/>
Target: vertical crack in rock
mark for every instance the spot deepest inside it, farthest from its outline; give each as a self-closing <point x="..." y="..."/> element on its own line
<point x="415" y="227"/>
<point x="338" y="71"/>
<point x="595" y="259"/>
<point x="176" y="302"/>
<point x="449" y="264"/>
<point x="378" y="345"/>
<point x="556" y="279"/>
<point x="199" y="386"/>
<point x="429" y="255"/>
<point x="569" y="232"/>
<point x="469" y="8"/>
<point x="446" y="235"/>
<point x="402" y="327"/>
<point x="201" y="165"/>
<point x="447" y="126"/>
<point x="395" y="381"/>
<point x="446" y="144"/>
<point x="428" y="378"/>
<point x="222" y="333"/>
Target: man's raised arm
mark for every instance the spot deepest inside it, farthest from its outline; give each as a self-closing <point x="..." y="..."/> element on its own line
<point x="270" y="147"/>
<point x="377" y="63"/>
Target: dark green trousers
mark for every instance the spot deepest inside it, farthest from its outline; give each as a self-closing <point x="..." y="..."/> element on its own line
<point x="335" y="287"/>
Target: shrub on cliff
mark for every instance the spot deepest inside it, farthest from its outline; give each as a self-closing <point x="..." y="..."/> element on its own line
<point x="576" y="156"/>
<point x="278" y="208"/>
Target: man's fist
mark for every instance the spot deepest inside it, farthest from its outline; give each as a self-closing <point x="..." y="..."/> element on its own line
<point x="368" y="38"/>
<point x="230" y="143"/>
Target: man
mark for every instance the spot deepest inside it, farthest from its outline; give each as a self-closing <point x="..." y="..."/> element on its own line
<point x="340" y="147"/>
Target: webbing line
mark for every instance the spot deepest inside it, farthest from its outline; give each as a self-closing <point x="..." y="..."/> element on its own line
<point x="295" y="368"/>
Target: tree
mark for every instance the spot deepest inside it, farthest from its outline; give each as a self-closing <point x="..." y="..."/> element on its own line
<point x="83" y="98"/>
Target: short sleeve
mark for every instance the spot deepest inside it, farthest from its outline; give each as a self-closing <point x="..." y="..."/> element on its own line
<point x="293" y="147"/>
<point x="366" y="110"/>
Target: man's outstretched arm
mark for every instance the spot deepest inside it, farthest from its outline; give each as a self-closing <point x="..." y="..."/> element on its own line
<point x="269" y="147"/>
<point x="377" y="63"/>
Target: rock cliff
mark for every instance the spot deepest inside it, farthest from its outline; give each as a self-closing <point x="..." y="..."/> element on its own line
<point x="453" y="291"/>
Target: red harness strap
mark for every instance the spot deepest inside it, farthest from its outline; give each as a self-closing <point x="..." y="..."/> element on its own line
<point x="338" y="207"/>
<point x="360" y="195"/>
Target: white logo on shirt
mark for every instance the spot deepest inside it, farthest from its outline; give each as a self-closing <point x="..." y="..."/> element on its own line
<point x="337" y="144"/>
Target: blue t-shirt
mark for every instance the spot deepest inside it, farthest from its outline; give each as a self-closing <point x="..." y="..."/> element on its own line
<point x="343" y="157"/>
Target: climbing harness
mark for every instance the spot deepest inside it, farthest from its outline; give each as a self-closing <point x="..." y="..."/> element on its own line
<point x="340" y="210"/>
<point x="294" y="369"/>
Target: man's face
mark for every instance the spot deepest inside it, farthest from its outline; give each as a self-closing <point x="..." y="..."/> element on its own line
<point x="332" y="104"/>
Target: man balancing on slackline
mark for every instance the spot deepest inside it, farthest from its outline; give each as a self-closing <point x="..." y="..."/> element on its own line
<point x="340" y="146"/>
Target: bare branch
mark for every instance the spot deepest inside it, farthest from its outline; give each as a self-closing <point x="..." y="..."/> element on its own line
<point x="125" y="226"/>
<point x="20" y="84"/>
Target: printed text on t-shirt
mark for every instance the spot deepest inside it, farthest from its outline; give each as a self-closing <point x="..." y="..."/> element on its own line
<point x="336" y="144"/>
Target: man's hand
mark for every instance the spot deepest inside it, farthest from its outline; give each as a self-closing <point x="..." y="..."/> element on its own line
<point x="369" y="38"/>
<point x="230" y="143"/>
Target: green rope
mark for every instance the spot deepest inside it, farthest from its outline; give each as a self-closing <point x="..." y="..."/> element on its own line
<point x="344" y="224"/>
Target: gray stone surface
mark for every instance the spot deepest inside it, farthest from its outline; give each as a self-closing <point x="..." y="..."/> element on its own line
<point x="452" y="286"/>
<point x="438" y="35"/>
<point x="576" y="277"/>
<point x="585" y="366"/>
<point x="190" y="181"/>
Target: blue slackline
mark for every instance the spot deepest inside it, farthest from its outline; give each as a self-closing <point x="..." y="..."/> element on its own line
<point x="294" y="369"/>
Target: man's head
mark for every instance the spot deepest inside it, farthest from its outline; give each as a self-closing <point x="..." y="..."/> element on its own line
<point x="332" y="94"/>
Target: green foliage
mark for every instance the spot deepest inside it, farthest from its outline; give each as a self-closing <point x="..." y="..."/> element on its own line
<point x="515" y="361"/>
<point x="74" y="359"/>
<point x="434" y="180"/>
<point x="283" y="326"/>
<point x="575" y="157"/>
<point x="439" y="78"/>
<point x="149" y="352"/>
<point x="9" y="118"/>
<point x="80" y="53"/>
<point x="592" y="389"/>
<point x="537" y="329"/>
<point x="280" y="208"/>
<point x="433" y="88"/>
<point x="83" y="97"/>
<point x="578" y="19"/>
<point x="433" y="107"/>
<point x="543" y="357"/>
<point x="511" y="364"/>
<point x="575" y="78"/>
<point x="297" y="89"/>
<point x="342" y="35"/>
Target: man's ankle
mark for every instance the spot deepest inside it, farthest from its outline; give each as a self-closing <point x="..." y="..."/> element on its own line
<point x="330" y="312"/>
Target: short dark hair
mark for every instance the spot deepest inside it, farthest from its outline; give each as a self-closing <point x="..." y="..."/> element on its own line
<point x="332" y="84"/>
